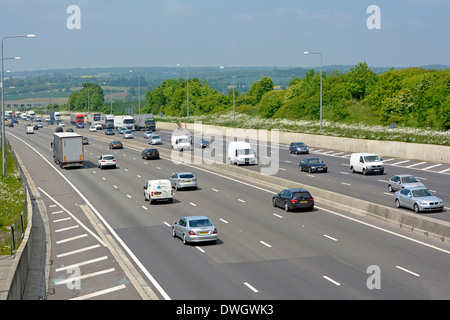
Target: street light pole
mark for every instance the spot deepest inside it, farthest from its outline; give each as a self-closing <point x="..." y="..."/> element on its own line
<point x="3" y="101"/>
<point x="307" y="52"/>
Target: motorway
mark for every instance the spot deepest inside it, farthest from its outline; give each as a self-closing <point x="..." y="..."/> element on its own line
<point x="263" y="253"/>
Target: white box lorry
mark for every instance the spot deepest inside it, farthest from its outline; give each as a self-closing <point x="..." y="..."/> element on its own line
<point x="126" y="122"/>
<point x="158" y="190"/>
<point x="68" y="149"/>
<point x="241" y="152"/>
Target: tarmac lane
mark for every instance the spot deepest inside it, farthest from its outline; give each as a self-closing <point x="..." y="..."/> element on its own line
<point x="82" y="260"/>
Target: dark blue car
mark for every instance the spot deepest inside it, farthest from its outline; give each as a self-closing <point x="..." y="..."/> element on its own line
<point x="312" y="165"/>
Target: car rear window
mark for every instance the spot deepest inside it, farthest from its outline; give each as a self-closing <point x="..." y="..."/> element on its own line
<point x="108" y="158"/>
<point x="302" y="195"/>
<point x="200" y="223"/>
<point x="186" y="176"/>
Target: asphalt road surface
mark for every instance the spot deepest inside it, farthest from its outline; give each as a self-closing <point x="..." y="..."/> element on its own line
<point x="263" y="253"/>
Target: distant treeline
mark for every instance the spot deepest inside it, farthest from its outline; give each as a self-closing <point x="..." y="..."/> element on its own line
<point x="413" y="97"/>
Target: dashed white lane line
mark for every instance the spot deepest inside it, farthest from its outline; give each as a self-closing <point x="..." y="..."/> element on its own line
<point x="266" y="244"/>
<point x="251" y="287"/>
<point x="408" y="271"/>
<point x="79" y="264"/>
<point x="71" y="239"/>
<point x="68" y="228"/>
<point x="224" y="221"/>
<point x="192" y="204"/>
<point x="331" y="238"/>
<point x="331" y="280"/>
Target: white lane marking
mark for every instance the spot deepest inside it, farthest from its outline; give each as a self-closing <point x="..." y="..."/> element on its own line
<point x="266" y="244"/>
<point x="224" y="221"/>
<point x="408" y="271"/>
<point x="101" y="292"/>
<point x="331" y="238"/>
<point x="89" y="275"/>
<point x="78" y="251"/>
<point x="79" y="264"/>
<point x="433" y="166"/>
<point x="63" y="219"/>
<point x="397" y="163"/>
<point x="415" y="164"/>
<point x="68" y="228"/>
<point x="347" y="184"/>
<point x="56" y="212"/>
<point x="192" y="204"/>
<point x="277" y="215"/>
<point x="200" y="249"/>
<point x="251" y="287"/>
<point x="241" y="200"/>
<point x="71" y="239"/>
<point x="331" y="280"/>
<point x="215" y="190"/>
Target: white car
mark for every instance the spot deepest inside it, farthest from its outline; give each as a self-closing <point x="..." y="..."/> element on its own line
<point x="127" y="134"/>
<point x="107" y="160"/>
<point x="62" y="124"/>
<point x="154" y="139"/>
<point x="92" y="129"/>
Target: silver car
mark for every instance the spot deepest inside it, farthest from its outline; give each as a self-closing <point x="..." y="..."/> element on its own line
<point x="419" y="199"/>
<point x="154" y="139"/>
<point x="195" y="229"/>
<point x="127" y="134"/>
<point x="401" y="181"/>
<point x="181" y="180"/>
<point x="106" y="161"/>
<point x="147" y="134"/>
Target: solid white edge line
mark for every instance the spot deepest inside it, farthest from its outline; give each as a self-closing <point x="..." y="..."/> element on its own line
<point x="132" y="255"/>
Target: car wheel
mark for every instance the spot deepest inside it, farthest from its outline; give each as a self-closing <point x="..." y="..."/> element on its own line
<point x="397" y="203"/>
<point x="364" y="171"/>
<point x="353" y="169"/>
<point x="390" y="188"/>
<point x="174" y="234"/>
<point x="309" y="170"/>
<point x="184" y="239"/>
<point x="286" y="207"/>
<point x="416" y="208"/>
<point x="274" y="203"/>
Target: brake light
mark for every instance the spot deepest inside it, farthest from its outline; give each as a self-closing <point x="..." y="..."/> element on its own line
<point x="293" y="200"/>
<point x="312" y="199"/>
<point x="191" y="233"/>
<point x="215" y="231"/>
<point x="151" y="194"/>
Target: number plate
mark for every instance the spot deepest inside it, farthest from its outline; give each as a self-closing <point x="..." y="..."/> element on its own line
<point x="203" y="232"/>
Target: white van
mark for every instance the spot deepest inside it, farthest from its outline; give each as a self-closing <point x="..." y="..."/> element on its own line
<point x="29" y="129"/>
<point x="366" y="163"/>
<point x="180" y="142"/>
<point x="241" y="152"/>
<point x="158" y="190"/>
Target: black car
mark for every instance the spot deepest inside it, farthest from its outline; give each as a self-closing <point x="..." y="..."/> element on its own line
<point x="116" y="144"/>
<point x="298" y="147"/>
<point x="150" y="153"/>
<point x="59" y="129"/>
<point x="291" y="199"/>
<point x="312" y="165"/>
<point x="109" y="132"/>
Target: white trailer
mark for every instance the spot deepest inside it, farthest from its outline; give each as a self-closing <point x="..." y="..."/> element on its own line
<point x="68" y="149"/>
<point x="107" y="121"/>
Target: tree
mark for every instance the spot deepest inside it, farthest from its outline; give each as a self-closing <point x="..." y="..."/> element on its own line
<point x="260" y="87"/>
<point x="361" y="80"/>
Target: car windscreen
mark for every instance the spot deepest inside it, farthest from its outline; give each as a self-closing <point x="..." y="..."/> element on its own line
<point x="372" y="158"/>
<point x="242" y="152"/>
<point x="300" y="144"/>
<point x="422" y="193"/>
<point x="200" y="223"/>
<point x="314" y="161"/>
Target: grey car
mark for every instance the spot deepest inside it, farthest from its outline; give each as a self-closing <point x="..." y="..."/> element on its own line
<point x="401" y="181"/>
<point x="418" y="199"/>
<point x="195" y="229"/>
<point x="298" y="147"/>
<point x="182" y="180"/>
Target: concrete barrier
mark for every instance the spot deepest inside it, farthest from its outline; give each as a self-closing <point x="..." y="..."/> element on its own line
<point x="395" y="149"/>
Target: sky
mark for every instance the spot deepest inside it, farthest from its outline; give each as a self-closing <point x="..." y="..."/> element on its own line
<point x="208" y="33"/>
